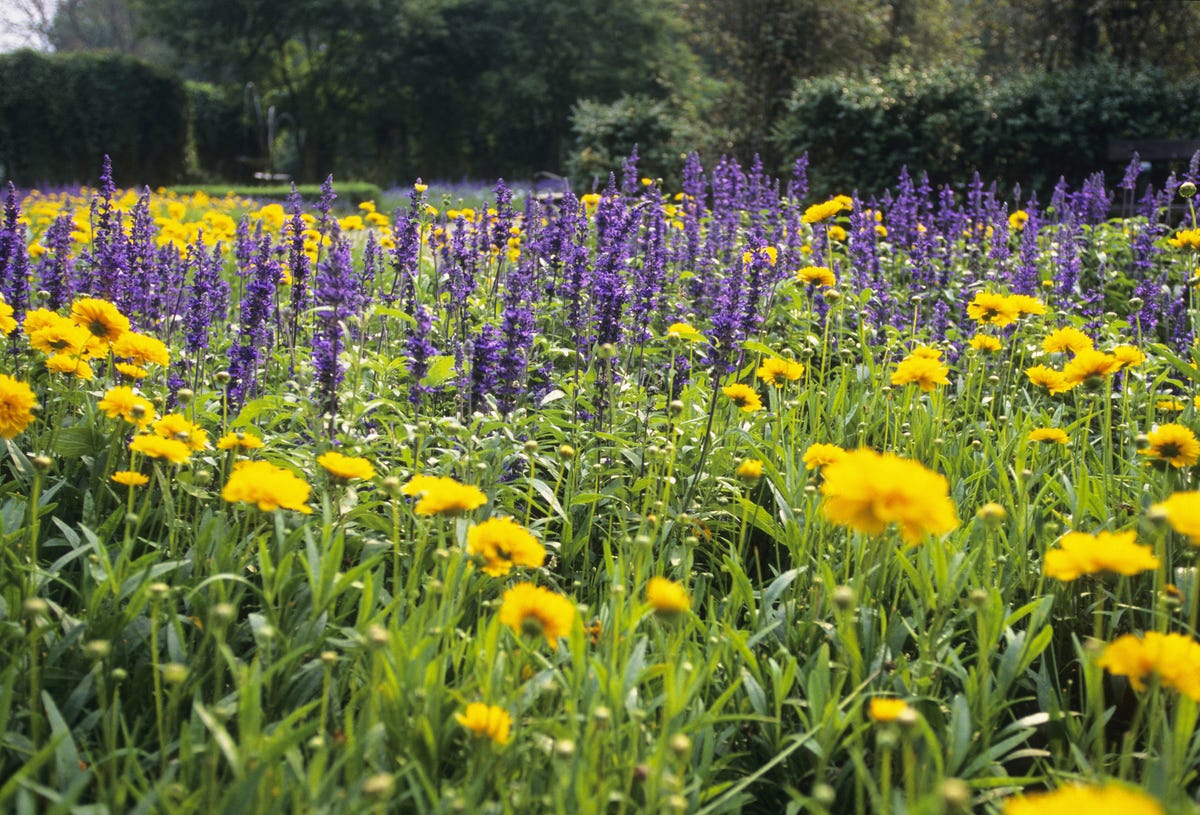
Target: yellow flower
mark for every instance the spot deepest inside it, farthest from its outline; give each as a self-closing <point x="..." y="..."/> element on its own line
<point x="1170" y="404"/>
<point x="267" y="486"/>
<point x="58" y="335"/>
<point x="130" y="478"/>
<point x="685" y="332"/>
<point x="122" y="402"/>
<point x="667" y="597"/>
<point x="886" y="708"/>
<point x="823" y="211"/>
<point x="171" y="450"/>
<point x="779" y="371"/>
<point x="1078" y="799"/>
<point x="817" y="275"/>
<point x="141" y="349"/>
<point x="1025" y="304"/>
<point x="1054" y="435"/>
<point x="239" y="441"/>
<point x="926" y="352"/>
<point x="818" y="455"/>
<point x="1016" y="221"/>
<point x="16" y="406"/>
<point x="1048" y="378"/>
<point x="925" y="372"/>
<point x="1174" y="657"/>
<point x="346" y="467"/>
<point x="131" y="371"/>
<point x="985" y="343"/>
<point x="69" y="364"/>
<point x="1080" y="553"/>
<point x="744" y="396"/>
<point x="1186" y="238"/>
<point x="175" y="426"/>
<point x="486" y="721"/>
<point x="1173" y="443"/>
<point x="1129" y="355"/>
<point x="7" y="323"/>
<point x="750" y="470"/>
<point x="1089" y="366"/>
<point x="767" y="253"/>
<point x="992" y="308"/>
<point x="869" y="491"/>
<point x="100" y="317"/>
<point x="503" y="543"/>
<point x="443" y="496"/>
<point x="1067" y="339"/>
<point x="535" y="611"/>
<point x="1182" y="511"/>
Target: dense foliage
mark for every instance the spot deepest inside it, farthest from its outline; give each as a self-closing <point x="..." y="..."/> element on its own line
<point x="60" y="114"/>
<point x="725" y="499"/>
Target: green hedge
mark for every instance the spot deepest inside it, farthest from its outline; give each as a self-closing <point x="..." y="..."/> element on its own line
<point x="1030" y="129"/>
<point x="60" y="114"/>
<point x="349" y="193"/>
<point x="606" y="133"/>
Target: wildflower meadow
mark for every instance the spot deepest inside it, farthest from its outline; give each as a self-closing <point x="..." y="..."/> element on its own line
<point x="717" y="499"/>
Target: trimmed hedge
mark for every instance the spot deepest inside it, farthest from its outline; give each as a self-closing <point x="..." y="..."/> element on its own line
<point x="351" y="193"/>
<point x="1028" y="130"/>
<point x="61" y="113"/>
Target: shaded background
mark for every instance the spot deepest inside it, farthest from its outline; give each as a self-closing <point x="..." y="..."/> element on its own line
<point x="1023" y="91"/>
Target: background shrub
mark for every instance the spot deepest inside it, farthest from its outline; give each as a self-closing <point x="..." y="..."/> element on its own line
<point x="60" y="114"/>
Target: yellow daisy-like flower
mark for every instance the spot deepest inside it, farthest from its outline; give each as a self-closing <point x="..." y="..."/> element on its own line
<point x="1186" y="239"/>
<point x="926" y="352"/>
<point x="985" y="343"/>
<point x="744" y="396"/>
<point x="1173" y="443"/>
<point x="141" y="349"/>
<point x="443" y="496"/>
<point x="1026" y="304"/>
<point x="239" y="441"/>
<point x="1090" y="367"/>
<point x="130" y="478"/>
<point x="1080" y="553"/>
<point x="101" y="318"/>
<point x="534" y="611"/>
<point x="823" y="211"/>
<point x="502" y="543"/>
<point x="819" y="455"/>
<point x="1053" y="435"/>
<point x="346" y="467"/>
<point x="750" y="470"/>
<point x="869" y="491"/>
<point x="816" y="276"/>
<point x="122" y="402"/>
<point x="923" y="371"/>
<point x="1182" y="511"/>
<point x="58" y="335"/>
<point x="767" y="253"/>
<point x="1170" y="404"/>
<point x="1175" y="658"/>
<point x="69" y="364"/>
<point x="7" y="323"/>
<point x="667" y="597"/>
<point x="1129" y="356"/>
<point x="16" y="406"/>
<point x="684" y="332"/>
<point x="1017" y="221"/>
<point x="266" y="486"/>
<point x="778" y="372"/>
<point x="131" y="371"/>
<point x="992" y="309"/>
<point x="1077" y="799"/>
<point x="886" y="708"/>
<point x="151" y="446"/>
<point x="176" y="426"/>
<point x="1067" y="339"/>
<point x="836" y="234"/>
<point x="486" y="722"/>
<point x="1048" y="378"/>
